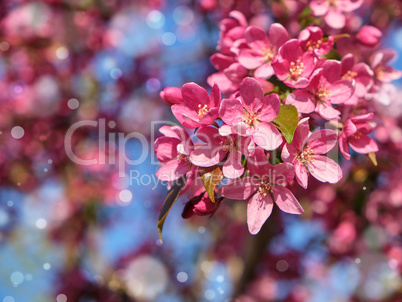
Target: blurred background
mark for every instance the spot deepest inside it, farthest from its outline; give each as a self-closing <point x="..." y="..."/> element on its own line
<point x="82" y="233"/>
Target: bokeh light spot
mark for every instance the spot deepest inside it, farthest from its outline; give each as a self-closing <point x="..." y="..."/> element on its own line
<point x="282" y="265"/>
<point x="8" y="299"/>
<point x="155" y="19"/>
<point x="125" y="196"/>
<point x="62" y="53"/>
<point x="17" y="278"/>
<point x="4" y="46"/>
<point x="182" y="15"/>
<point x="47" y="266"/>
<point x="182" y="277"/>
<point x="209" y="294"/>
<point x="73" y="104"/>
<point x="61" y="298"/>
<point x="17" y="132"/>
<point x="41" y="223"/>
<point x="168" y="38"/>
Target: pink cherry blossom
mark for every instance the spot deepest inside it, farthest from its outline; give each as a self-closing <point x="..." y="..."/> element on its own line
<point x="216" y="148"/>
<point x="251" y="114"/>
<point x="264" y="186"/>
<point x="354" y="134"/>
<point x="231" y="30"/>
<point x="369" y="35"/>
<point x="326" y="88"/>
<point x="262" y="49"/>
<point x="198" y="108"/>
<point x="360" y="73"/>
<point x="334" y="11"/>
<point x="311" y="38"/>
<point x="382" y="71"/>
<point x="173" y="150"/>
<point x="306" y="154"/>
<point x="293" y="66"/>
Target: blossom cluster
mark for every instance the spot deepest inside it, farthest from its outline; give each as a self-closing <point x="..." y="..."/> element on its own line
<point x="287" y="101"/>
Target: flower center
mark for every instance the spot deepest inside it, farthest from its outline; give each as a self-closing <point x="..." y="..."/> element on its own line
<point x="268" y="53"/>
<point x="357" y="135"/>
<point x="350" y="75"/>
<point x="227" y="144"/>
<point x="251" y="118"/>
<point x="304" y="157"/>
<point x="323" y="93"/>
<point x="311" y="45"/>
<point x="182" y="157"/>
<point x="296" y="69"/>
<point x="202" y="111"/>
<point x="332" y="2"/>
<point x="264" y="189"/>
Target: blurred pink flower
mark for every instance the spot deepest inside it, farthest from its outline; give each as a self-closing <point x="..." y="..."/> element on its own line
<point x="354" y="134"/>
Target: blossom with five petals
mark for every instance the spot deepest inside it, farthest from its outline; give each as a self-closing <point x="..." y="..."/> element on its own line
<point x="198" y="108"/>
<point x="265" y="186"/>
<point x="251" y="114"/>
<point x="306" y="154"/>
<point x="262" y="49"/>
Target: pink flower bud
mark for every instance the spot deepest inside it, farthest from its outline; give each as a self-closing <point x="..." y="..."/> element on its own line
<point x="369" y="35"/>
<point x="171" y="96"/>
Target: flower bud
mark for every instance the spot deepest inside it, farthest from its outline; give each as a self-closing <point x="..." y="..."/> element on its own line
<point x="171" y="96"/>
<point x="369" y="35"/>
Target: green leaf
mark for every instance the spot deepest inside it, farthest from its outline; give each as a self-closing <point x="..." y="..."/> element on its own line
<point x="287" y="121"/>
<point x="171" y="198"/>
<point x="210" y="177"/>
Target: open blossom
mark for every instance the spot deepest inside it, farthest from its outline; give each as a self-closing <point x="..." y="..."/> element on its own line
<point x="334" y="11"/>
<point x="198" y="108"/>
<point x="354" y="134"/>
<point x="360" y="73"/>
<point x="216" y="148"/>
<point x="265" y="186"/>
<point x="173" y="150"/>
<point x="251" y="114"/>
<point x="312" y="38"/>
<point x="306" y="154"/>
<point x="293" y="66"/>
<point x="382" y="71"/>
<point x="262" y="49"/>
<point x="326" y="88"/>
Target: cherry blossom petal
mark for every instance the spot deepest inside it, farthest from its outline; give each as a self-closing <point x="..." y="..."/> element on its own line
<point x="173" y="169"/>
<point x="267" y="136"/>
<point x="259" y="208"/>
<point x="324" y="169"/>
<point x="286" y="201"/>
<point x="301" y="174"/>
<point x="233" y="167"/>
<point x="194" y="95"/>
<point x="364" y="144"/>
<point x="250" y="90"/>
<point x="240" y="189"/>
<point x="321" y="141"/>
<point x="302" y="100"/>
